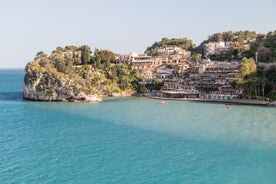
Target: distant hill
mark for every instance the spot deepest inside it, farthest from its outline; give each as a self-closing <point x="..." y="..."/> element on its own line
<point x="183" y="43"/>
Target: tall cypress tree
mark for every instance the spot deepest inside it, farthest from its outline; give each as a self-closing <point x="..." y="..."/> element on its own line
<point x="85" y="54"/>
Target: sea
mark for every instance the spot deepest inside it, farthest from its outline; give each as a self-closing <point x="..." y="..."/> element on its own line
<point x="132" y="140"/>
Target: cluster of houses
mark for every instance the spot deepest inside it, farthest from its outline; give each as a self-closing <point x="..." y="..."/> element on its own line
<point x="208" y="80"/>
<point x="204" y="79"/>
<point x="168" y="55"/>
<point x="224" y="48"/>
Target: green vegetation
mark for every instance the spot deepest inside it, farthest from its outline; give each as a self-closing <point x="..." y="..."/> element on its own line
<point x="196" y="57"/>
<point x="80" y="72"/>
<point x="85" y="54"/>
<point x="256" y="82"/>
<point x="229" y="36"/>
<point x="183" y="43"/>
<point x="264" y="47"/>
<point x="247" y="67"/>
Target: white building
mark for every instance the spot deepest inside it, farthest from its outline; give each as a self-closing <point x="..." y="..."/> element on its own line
<point x="211" y="47"/>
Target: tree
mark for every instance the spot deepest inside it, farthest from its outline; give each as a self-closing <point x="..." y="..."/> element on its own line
<point x="227" y="36"/>
<point x="247" y="67"/>
<point x="76" y="58"/>
<point x="240" y="37"/>
<point x="217" y="37"/>
<point x="158" y="83"/>
<point x="263" y="82"/>
<point x="71" y="48"/>
<point x="106" y="57"/>
<point x="196" y="57"/>
<point x="270" y="74"/>
<point x="97" y="61"/>
<point x="43" y="59"/>
<point x="40" y="55"/>
<point x="260" y="36"/>
<point x="264" y="54"/>
<point x="85" y="54"/>
<point x="135" y="77"/>
<point x="45" y="62"/>
<point x="60" y="64"/>
<point x="247" y="70"/>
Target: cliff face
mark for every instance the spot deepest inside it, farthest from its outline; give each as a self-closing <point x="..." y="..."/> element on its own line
<point x="42" y="84"/>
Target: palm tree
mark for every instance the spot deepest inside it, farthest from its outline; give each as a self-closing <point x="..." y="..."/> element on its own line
<point x="263" y="82"/>
<point x="241" y="84"/>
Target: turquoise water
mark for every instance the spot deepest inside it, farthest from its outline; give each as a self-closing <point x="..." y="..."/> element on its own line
<point x="132" y="140"/>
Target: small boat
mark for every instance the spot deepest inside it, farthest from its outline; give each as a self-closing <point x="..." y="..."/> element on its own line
<point x="162" y="102"/>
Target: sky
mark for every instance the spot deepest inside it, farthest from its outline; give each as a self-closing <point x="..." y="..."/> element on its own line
<point x="121" y="26"/>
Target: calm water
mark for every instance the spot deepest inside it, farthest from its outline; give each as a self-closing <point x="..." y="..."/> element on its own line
<point x="132" y="140"/>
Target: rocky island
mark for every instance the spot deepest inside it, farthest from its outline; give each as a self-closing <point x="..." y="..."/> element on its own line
<point x="73" y="74"/>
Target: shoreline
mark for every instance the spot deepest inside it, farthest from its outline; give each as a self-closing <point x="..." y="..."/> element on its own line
<point x="106" y="97"/>
<point x="226" y="102"/>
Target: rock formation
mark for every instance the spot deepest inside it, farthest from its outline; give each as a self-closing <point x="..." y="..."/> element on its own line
<point x="42" y="84"/>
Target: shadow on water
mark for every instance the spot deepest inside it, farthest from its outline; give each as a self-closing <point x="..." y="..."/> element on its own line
<point x="11" y="96"/>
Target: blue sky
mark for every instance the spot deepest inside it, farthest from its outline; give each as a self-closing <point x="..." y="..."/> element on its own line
<point x="120" y="25"/>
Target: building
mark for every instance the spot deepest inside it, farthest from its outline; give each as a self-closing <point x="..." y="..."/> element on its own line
<point x="218" y="48"/>
<point x="141" y="62"/>
<point x="124" y="58"/>
<point x="212" y="77"/>
<point x="174" y="89"/>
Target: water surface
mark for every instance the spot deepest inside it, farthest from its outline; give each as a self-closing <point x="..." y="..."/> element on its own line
<point x="132" y="140"/>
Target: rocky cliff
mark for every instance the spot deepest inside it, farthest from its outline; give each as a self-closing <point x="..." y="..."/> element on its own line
<point x="46" y="84"/>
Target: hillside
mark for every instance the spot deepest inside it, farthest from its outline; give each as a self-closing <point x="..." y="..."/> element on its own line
<point x="265" y="46"/>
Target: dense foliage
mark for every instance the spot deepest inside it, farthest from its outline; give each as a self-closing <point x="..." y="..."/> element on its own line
<point x="257" y="82"/>
<point x="183" y="43"/>
<point x="229" y="36"/>
<point x="247" y="67"/>
<point x="264" y="47"/>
